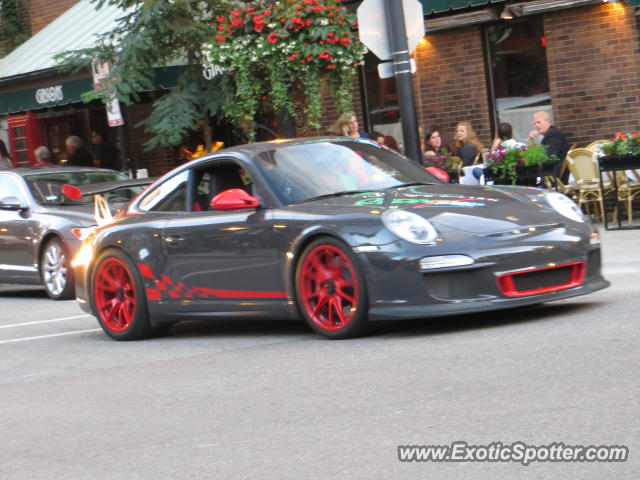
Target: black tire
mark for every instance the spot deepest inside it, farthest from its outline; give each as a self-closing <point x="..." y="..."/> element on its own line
<point x="331" y="291"/>
<point x="115" y="278"/>
<point x="55" y="270"/>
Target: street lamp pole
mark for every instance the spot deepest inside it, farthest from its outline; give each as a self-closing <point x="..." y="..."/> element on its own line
<point x="402" y="71"/>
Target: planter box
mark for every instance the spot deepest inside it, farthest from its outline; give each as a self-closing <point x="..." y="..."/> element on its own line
<point x="611" y="163"/>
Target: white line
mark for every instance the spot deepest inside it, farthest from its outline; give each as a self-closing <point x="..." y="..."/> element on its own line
<point x="24" y="339"/>
<point x="44" y="321"/>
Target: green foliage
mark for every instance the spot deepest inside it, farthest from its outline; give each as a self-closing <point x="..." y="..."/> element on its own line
<point x="536" y="155"/>
<point x="274" y="51"/>
<point x="504" y="161"/>
<point x="623" y="144"/>
<point x="12" y="30"/>
<point x="149" y="35"/>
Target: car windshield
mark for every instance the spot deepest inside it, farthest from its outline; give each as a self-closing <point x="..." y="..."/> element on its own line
<point x="303" y="172"/>
<point x="46" y="188"/>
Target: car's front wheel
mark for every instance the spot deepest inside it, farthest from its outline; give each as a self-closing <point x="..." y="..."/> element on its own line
<point x="118" y="297"/>
<point x="56" y="271"/>
<point x="330" y="289"/>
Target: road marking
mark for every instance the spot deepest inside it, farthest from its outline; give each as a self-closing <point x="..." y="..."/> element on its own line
<point x="44" y="321"/>
<point x="25" y="339"/>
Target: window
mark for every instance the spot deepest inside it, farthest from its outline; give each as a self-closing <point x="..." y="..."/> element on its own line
<point x="10" y="188"/>
<point x="382" y="96"/>
<point x="169" y="196"/>
<point x="520" y="80"/>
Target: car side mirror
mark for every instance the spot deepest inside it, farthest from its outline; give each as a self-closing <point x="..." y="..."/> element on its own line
<point x="12" y="203"/>
<point x="234" y="199"/>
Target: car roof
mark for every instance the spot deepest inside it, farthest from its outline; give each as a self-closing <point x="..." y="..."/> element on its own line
<point x="259" y="147"/>
<point x="22" y="171"/>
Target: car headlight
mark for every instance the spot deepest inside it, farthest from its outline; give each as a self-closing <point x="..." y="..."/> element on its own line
<point x="409" y="226"/>
<point x="565" y="206"/>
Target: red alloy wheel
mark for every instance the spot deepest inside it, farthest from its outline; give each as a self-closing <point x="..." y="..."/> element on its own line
<point x="329" y="288"/>
<point x="115" y="295"/>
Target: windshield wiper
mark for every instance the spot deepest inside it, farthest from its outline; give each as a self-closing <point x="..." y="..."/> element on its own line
<point x="335" y="194"/>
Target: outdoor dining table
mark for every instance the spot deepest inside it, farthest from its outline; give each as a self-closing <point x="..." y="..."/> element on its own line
<point x="613" y="164"/>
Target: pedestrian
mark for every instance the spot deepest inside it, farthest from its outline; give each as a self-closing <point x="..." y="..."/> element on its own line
<point x="555" y="142"/>
<point x="105" y="155"/>
<point x="348" y="126"/>
<point x="437" y="151"/>
<point x="5" y="158"/>
<point x="42" y="156"/>
<point x="392" y="143"/>
<point x="78" y="156"/>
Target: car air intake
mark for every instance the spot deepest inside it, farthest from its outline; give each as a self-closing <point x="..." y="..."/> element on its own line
<point x="542" y="280"/>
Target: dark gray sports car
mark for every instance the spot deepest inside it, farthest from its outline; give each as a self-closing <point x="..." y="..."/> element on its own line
<point x="41" y="228"/>
<point x="341" y="232"/>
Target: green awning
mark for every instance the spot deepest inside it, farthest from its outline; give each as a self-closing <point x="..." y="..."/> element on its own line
<point x="56" y="93"/>
<point x="49" y="95"/>
<point x="438" y="6"/>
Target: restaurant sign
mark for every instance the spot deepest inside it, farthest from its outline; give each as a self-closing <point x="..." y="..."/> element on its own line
<point x="49" y="95"/>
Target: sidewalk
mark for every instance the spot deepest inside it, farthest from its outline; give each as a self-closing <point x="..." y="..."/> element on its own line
<point x="620" y="251"/>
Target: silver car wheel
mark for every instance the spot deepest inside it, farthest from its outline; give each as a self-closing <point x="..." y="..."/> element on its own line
<point x="54" y="269"/>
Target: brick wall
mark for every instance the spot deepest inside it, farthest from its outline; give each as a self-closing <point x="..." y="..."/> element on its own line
<point x="43" y="12"/>
<point x="594" y="71"/>
<point x="330" y="113"/>
<point x="450" y="82"/>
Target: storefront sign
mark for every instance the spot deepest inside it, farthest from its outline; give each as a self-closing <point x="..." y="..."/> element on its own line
<point x="211" y="72"/>
<point x="49" y="95"/>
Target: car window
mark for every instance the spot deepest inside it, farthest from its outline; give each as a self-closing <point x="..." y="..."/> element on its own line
<point x="301" y="171"/>
<point x="214" y="179"/>
<point x="9" y="187"/>
<point x="169" y="196"/>
<point x="46" y="188"/>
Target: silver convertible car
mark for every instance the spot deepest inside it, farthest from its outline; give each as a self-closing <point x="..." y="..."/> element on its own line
<point x="41" y="228"/>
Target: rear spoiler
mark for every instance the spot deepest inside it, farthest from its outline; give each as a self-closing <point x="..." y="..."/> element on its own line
<point x="101" y="206"/>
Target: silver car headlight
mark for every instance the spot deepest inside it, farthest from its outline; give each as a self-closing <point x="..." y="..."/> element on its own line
<point x="409" y="226"/>
<point x="565" y="206"/>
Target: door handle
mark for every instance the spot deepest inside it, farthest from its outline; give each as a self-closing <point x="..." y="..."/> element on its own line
<point x="173" y="239"/>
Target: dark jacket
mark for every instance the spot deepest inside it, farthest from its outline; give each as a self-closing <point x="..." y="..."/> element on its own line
<point x="80" y="158"/>
<point x="107" y="155"/>
<point x="467" y="153"/>
<point x="556" y="145"/>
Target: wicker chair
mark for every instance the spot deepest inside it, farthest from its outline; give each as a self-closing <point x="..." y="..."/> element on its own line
<point x="584" y="168"/>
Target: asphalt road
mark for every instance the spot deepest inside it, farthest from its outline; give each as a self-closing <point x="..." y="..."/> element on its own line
<point x="261" y="400"/>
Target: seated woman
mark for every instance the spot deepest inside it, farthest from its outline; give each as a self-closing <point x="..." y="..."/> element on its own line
<point x="437" y="150"/>
<point x="504" y="137"/>
<point x="467" y="143"/>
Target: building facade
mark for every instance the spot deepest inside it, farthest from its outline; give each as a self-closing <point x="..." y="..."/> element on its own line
<point x="487" y="63"/>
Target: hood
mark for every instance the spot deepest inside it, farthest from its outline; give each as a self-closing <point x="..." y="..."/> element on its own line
<point x="474" y="209"/>
<point x="82" y="215"/>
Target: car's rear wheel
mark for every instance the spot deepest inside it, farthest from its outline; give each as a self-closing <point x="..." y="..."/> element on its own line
<point x="330" y="289"/>
<point x="118" y="299"/>
<point x="56" y="271"/>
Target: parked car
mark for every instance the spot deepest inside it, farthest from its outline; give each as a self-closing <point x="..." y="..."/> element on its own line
<point x="340" y="232"/>
<point x="41" y="228"/>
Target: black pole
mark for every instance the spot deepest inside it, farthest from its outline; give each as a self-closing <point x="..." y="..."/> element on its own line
<point x="404" y="84"/>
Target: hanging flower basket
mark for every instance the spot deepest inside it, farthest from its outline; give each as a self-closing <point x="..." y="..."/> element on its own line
<point x="274" y="53"/>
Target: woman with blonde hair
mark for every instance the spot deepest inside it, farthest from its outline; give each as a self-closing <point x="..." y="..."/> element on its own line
<point x="347" y="125"/>
<point x="467" y="143"/>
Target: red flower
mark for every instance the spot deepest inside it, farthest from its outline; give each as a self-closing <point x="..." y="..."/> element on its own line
<point x="293" y="57"/>
<point x="309" y="58"/>
<point x="267" y="12"/>
<point x="221" y="38"/>
<point x="234" y="13"/>
<point x="344" y="42"/>
<point x="330" y="67"/>
<point x="272" y="38"/>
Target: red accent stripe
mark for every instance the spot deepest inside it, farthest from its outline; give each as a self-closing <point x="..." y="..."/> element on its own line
<point x="174" y="295"/>
<point x="153" y="294"/>
<point x="508" y="288"/>
<point x="165" y="279"/>
<point x="161" y="285"/>
<point x="240" y="293"/>
<point x="146" y="271"/>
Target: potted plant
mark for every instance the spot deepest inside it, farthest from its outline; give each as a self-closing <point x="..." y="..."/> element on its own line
<point x="520" y="164"/>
